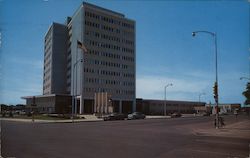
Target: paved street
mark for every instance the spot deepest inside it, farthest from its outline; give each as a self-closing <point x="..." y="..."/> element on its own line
<point x="151" y="138"/>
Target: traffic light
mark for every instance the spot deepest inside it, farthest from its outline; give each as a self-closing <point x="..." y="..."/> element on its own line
<point x="215" y="91"/>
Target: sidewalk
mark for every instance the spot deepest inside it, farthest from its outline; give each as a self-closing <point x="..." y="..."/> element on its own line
<point x="239" y="129"/>
<point x="87" y="118"/>
<point x="156" y="117"/>
<point x="168" y="116"/>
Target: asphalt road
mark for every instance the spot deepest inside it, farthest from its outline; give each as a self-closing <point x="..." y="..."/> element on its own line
<point x="154" y="138"/>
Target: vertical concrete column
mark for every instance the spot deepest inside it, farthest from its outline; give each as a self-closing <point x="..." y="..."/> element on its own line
<point x="134" y="105"/>
<point x="98" y="103"/>
<point x="106" y="102"/>
<point x="102" y="103"/>
<point x="120" y="106"/>
<point x="81" y="106"/>
<point x="95" y="104"/>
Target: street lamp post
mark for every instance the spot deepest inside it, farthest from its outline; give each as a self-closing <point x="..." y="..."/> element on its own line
<point x="216" y="74"/>
<point x="165" y="99"/>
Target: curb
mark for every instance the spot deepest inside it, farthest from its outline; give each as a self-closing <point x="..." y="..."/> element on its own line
<point x="50" y="121"/>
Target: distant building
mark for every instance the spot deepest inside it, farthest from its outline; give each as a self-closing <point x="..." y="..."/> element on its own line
<point x="156" y="107"/>
<point x="225" y="108"/>
<point x="107" y="66"/>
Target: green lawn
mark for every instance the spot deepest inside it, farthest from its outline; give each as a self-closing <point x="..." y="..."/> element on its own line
<point x="40" y="117"/>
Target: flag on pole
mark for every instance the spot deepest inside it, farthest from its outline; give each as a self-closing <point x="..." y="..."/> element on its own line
<point x="82" y="46"/>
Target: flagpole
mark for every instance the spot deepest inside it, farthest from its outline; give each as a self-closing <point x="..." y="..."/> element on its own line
<point x="73" y="110"/>
<point x="84" y="49"/>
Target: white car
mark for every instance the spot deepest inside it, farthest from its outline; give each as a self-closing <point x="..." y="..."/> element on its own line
<point x="136" y="115"/>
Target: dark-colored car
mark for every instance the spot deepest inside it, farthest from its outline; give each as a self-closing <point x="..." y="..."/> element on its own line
<point x="176" y="114"/>
<point x="114" y="116"/>
<point x="136" y="115"/>
<point x="206" y="114"/>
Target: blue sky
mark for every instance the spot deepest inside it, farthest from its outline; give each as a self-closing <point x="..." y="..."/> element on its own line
<point x="166" y="50"/>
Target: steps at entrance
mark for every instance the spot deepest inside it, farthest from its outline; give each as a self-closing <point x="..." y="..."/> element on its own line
<point x="89" y="117"/>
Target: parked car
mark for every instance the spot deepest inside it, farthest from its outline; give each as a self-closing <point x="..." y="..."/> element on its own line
<point x="136" y="115"/>
<point x="114" y="116"/>
<point x="176" y="114"/>
<point x="206" y="114"/>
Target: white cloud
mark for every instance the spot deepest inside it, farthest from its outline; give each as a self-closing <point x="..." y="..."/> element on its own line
<point x="189" y="84"/>
<point x="153" y="87"/>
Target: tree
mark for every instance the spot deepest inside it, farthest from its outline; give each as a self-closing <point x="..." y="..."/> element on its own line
<point x="4" y="107"/>
<point x="247" y="94"/>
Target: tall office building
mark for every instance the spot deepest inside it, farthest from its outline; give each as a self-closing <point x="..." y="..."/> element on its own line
<point x="55" y="60"/>
<point x="108" y="65"/>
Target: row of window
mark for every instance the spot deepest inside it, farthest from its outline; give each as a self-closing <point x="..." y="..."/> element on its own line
<point x="69" y="42"/>
<point x="103" y="81"/>
<point x="48" y="36"/>
<point x="46" y="78"/>
<point x="48" y="42"/>
<point x="102" y="36"/>
<point x="47" y="64"/>
<point x="102" y="72"/>
<point x="126" y="83"/>
<point x="108" y="73"/>
<point x="47" y="71"/>
<point x="47" y="50"/>
<point x="129" y="75"/>
<point x="110" y="55"/>
<point x="106" y="63"/>
<point x="112" y="91"/>
<point x="46" y="86"/>
<point x="69" y="67"/>
<point x="69" y="58"/>
<point x="108" y="37"/>
<point x="47" y="57"/>
<point x="127" y="58"/>
<point x="109" y="46"/>
<point x="109" y="29"/>
<point x="103" y="45"/>
<point x="104" y="54"/>
<point x="109" y="20"/>
<point x="108" y="82"/>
